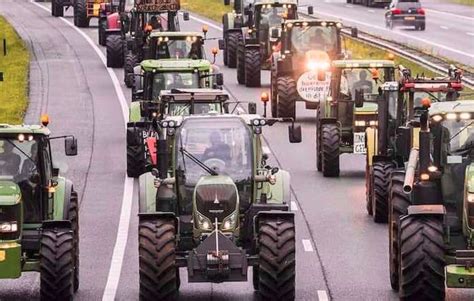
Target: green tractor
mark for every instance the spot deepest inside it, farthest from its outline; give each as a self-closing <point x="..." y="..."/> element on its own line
<point x="399" y="109"/>
<point x="249" y="38"/>
<point x="39" y="211"/>
<point x="214" y="207"/>
<point x="431" y="205"/>
<point x="301" y="63"/>
<point x="351" y="108"/>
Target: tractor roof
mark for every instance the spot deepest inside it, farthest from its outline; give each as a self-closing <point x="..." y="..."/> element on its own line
<point x="363" y="64"/>
<point x="157" y="5"/>
<point x="264" y="2"/>
<point x="199" y="95"/>
<point x="6" y="129"/>
<point x="459" y="106"/>
<point x="170" y="34"/>
<point x="312" y="22"/>
<point x="175" y="65"/>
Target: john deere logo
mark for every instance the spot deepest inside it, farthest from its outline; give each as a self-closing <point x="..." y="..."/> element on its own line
<point x="2" y="255"/>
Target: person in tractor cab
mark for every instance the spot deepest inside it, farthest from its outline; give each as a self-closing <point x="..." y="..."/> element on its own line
<point x="363" y="84"/>
<point x="155" y="24"/>
<point x="195" y="52"/>
<point x="163" y="51"/>
<point x="218" y="149"/>
<point x="9" y="161"/>
<point x="29" y="183"/>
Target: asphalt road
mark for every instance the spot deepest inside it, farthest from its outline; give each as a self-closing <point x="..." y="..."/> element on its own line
<point x="341" y="253"/>
<point x="449" y="27"/>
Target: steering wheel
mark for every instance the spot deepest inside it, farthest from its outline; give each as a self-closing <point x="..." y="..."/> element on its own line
<point x="216" y="164"/>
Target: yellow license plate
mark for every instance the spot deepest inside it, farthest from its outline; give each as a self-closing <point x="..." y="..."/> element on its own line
<point x="3" y="255"/>
<point x="409" y="18"/>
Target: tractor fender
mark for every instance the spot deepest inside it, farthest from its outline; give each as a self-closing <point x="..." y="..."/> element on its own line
<point x="135" y="113"/>
<point x="252" y="46"/>
<point x="426" y="210"/>
<point x="280" y="192"/>
<point x="62" y="198"/>
<point x="58" y="224"/>
<point x="371" y="144"/>
<point x="147" y="193"/>
<point x="273" y="214"/>
<point x="381" y="158"/>
<point x="113" y="21"/>
<point x="232" y="22"/>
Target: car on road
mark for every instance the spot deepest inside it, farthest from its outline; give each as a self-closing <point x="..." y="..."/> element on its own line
<point x="405" y="13"/>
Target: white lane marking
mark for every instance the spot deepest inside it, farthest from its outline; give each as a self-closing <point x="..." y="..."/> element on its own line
<point x="122" y="233"/>
<point x="323" y="296"/>
<point x="449" y="14"/>
<point x="444" y="27"/>
<point x="307" y="245"/>
<point x="294" y="206"/>
<point x="349" y="5"/>
<point x="371" y="11"/>
<point x="470" y="33"/>
<point x="398" y="33"/>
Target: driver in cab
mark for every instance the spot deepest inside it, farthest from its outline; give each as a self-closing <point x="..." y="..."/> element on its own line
<point x="9" y="161"/>
<point x="218" y="149"/>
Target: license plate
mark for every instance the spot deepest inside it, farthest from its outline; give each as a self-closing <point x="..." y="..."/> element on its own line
<point x="359" y="143"/>
<point x="3" y="255"/>
<point x="409" y="18"/>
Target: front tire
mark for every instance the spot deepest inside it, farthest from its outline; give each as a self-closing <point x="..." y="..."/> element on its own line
<point x="159" y="279"/>
<point x="80" y="14"/>
<point x="114" y="45"/>
<point x="330" y="141"/>
<point x="286" y="97"/>
<point x="422" y="259"/>
<point x="73" y="216"/>
<point x="277" y="266"/>
<point x="130" y="62"/>
<point x="240" y="62"/>
<point x="57" y="264"/>
<point x="56" y="9"/>
<point x="231" y="48"/>
<point x="380" y="185"/>
<point x="253" y="67"/>
<point x="102" y="28"/>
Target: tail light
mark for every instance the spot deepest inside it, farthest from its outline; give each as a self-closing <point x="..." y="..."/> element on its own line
<point x="396" y="11"/>
<point x="420" y="11"/>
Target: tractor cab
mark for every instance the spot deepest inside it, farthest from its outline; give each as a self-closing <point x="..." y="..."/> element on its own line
<point x="178" y="45"/>
<point x="157" y="15"/>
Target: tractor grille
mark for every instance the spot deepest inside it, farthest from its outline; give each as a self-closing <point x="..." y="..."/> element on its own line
<point x="216" y="200"/>
<point x="10" y="214"/>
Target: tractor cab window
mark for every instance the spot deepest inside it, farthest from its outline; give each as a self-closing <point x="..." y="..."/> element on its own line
<point x="222" y="144"/>
<point x="272" y="16"/>
<point x="307" y="38"/>
<point x="461" y="133"/>
<point x="184" y="109"/>
<point x="366" y="80"/>
<point x="433" y="96"/>
<point x="179" y="48"/>
<point x="174" y="80"/>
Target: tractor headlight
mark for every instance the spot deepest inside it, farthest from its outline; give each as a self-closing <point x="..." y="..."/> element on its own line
<point x="317" y="65"/>
<point x="230" y="222"/>
<point x="360" y="123"/>
<point x="470" y="198"/>
<point x="203" y="222"/>
<point x="373" y="123"/>
<point x="8" y="227"/>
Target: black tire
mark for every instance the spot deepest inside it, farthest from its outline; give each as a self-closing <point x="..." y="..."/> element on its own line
<point x="319" y="157"/>
<point x="80" y="13"/>
<point x="398" y="206"/>
<point x="368" y="188"/>
<point x="114" y="45"/>
<point x="231" y="48"/>
<point x="348" y="1"/>
<point x="255" y="277"/>
<point x="102" y="28"/>
<point x="330" y="141"/>
<point x="286" y="97"/>
<point x="423" y="26"/>
<point x="422" y="260"/>
<point x="277" y="260"/>
<point x="130" y="62"/>
<point x="57" y="264"/>
<point x="241" y="62"/>
<point x="73" y="216"/>
<point x="157" y="259"/>
<point x="136" y="162"/>
<point x="56" y="9"/>
<point x="273" y="94"/>
<point x="253" y="67"/>
<point x="380" y="188"/>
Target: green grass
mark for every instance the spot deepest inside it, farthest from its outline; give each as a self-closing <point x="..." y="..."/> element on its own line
<point x="212" y="9"/>
<point x="463" y="2"/>
<point x="15" y="67"/>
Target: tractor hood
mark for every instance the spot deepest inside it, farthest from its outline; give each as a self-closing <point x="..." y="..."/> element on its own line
<point x="176" y="65"/>
<point x="10" y="193"/>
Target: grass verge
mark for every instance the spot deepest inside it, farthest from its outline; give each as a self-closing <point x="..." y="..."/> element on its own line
<point x="463" y="2"/>
<point x="15" y="67"/>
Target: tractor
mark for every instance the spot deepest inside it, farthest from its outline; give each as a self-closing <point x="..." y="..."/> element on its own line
<point x="84" y="10"/>
<point x="109" y="14"/>
<point x="301" y="63"/>
<point x="39" y="211"/>
<point x="399" y="109"/>
<point x="248" y="42"/>
<point x="214" y="207"/>
<point x="130" y="38"/>
<point x="351" y="108"/>
<point x="431" y="206"/>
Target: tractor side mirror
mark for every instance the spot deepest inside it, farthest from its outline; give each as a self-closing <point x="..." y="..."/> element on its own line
<point x="252" y="108"/>
<point x="221" y="44"/>
<point x="70" y="145"/>
<point x="310" y="10"/>
<point x="219" y="79"/>
<point x="226" y="108"/>
<point x="294" y="133"/>
<point x="186" y="16"/>
<point x="359" y="99"/>
<point x="275" y="34"/>
<point x="354" y="32"/>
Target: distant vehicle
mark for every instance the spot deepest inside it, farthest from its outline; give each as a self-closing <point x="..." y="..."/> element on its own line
<point x="369" y="3"/>
<point x="405" y="13"/>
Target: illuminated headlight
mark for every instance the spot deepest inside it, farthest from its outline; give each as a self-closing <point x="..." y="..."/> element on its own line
<point x="164" y="124"/>
<point x="451" y="116"/>
<point x="230" y="222"/>
<point x="289" y="25"/>
<point x="432" y="168"/>
<point x="470" y="197"/>
<point x="259" y="122"/>
<point x="8" y="227"/>
<point x="465" y="116"/>
<point x="359" y="123"/>
<point x="263" y="122"/>
<point x="171" y="124"/>
<point x="437" y="118"/>
<point x="203" y="222"/>
<point x="338" y="25"/>
<point x="21" y="137"/>
<point x="373" y="123"/>
<point x="317" y="65"/>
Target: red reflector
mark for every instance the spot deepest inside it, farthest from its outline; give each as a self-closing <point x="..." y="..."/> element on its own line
<point x="396" y="11"/>
<point x="420" y="11"/>
<point x="456" y="86"/>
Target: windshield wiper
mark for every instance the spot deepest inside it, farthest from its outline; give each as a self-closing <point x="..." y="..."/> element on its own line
<point x="457" y="134"/>
<point x="211" y="171"/>
<point x="28" y="157"/>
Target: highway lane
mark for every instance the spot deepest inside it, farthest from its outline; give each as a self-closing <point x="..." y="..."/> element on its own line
<point x="69" y="83"/>
<point x="449" y="27"/>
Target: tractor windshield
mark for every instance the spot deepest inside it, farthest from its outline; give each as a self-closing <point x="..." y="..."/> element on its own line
<point x="273" y="15"/>
<point x="306" y="38"/>
<point x="174" y="80"/>
<point x="222" y="144"/>
<point x="367" y="80"/>
<point x="185" y="47"/>
<point x="433" y="96"/>
<point x="461" y="133"/>
<point x="184" y="108"/>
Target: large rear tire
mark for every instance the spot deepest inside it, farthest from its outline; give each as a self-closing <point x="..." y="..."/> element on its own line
<point x="159" y="279"/>
<point x="130" y="61"/>
<point x="330" y="141"/>
<point x="253" y="67"/>
<point x="368" y="188"/>
<point x="422" y="261"/>
<point x="398" y="206"/>
<point x="136" y="162"/>
<point x="286" y="97"/>
<point x="102" y="28"/>
<point x="57" y="264"/>
<point x="56" y="9"/>
<point x="380" y="188"/>
<point x="231" y="48"/>
<point x="241" y="62"/>
<point x="80" y="13"/>
<point x="114" y="45"/>
<point x="73" y="216"/>
<point x="319" y="155"/>
<point x="277" y="260"/>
